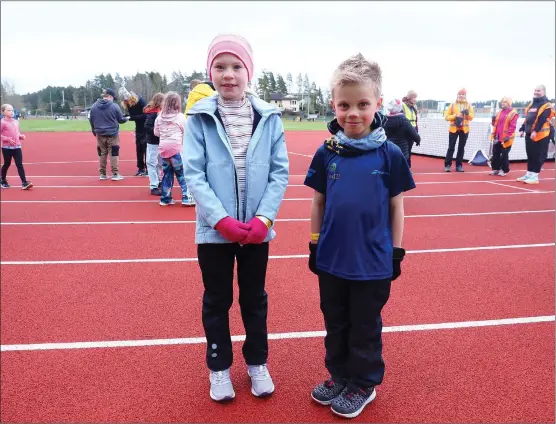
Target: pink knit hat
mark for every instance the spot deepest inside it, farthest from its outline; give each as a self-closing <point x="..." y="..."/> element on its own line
<point x="234" y="44"/>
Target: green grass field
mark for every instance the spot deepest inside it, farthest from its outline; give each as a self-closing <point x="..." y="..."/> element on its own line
<point x="82" y="125"/>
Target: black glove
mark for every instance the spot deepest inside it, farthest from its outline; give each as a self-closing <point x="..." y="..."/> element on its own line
<point x="399" y="254"/>
<point x="313" y="258"/>
<point x="465" y="112"/>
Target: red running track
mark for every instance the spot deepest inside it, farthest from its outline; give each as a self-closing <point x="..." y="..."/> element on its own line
<point x="500" y="373"/>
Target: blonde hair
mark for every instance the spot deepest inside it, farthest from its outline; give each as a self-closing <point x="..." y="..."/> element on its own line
<point x="4" y="106"/>
<point x="172" y="103"/>
<point x="357" y="70"/>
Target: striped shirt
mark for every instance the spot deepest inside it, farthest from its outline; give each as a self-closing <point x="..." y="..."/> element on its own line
<point x="237" y="117"/>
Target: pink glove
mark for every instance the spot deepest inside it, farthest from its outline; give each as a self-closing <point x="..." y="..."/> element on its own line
<point x="258" y="232"/>
<point x="232" y="229"/>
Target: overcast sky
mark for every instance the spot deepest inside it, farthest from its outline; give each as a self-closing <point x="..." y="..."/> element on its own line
<point x="490" y="48"/>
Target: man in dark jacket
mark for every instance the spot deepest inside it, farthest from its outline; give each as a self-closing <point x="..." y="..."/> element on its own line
<point x="537" y="133"/>
<point x="105" y="119"/>
<point x="134" y="105"/>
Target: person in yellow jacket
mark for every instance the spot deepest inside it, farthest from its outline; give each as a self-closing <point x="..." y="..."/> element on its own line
<point x="199" y="90"/>
<point x="459" y="114"/>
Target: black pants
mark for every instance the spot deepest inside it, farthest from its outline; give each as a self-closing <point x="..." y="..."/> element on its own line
<point x="353" y="340"/>
<point x="535" y="153"/>
<point x="217" y="267"/>
<point x="141" y="149"/>
<point x="452" y="138"/>
<point x="17" y="154"/>
<point x="409" y="147"/>
<point x="500" y="158"/>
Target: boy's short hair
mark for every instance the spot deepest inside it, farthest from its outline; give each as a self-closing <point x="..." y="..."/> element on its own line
<point x="358" y="70"/>
<point x="194" y="83"/>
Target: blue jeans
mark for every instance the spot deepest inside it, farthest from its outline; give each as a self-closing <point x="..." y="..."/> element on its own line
<point x="171" y="166"/>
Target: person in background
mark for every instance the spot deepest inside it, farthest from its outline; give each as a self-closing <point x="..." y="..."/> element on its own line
<point x="410" y="111"/>
<point x="154" y="160"/>
<point x="199" y="90"/>
<point x="536" y="128"/>
<point x="105" y="119"/>
<point x="169" y="126"/>
<point x="502" y="136"/>
<point x="11" y="147"/>
<point x="459" y="114"/>
<point x="133" y="106"/>
<point x="399" y="129"/>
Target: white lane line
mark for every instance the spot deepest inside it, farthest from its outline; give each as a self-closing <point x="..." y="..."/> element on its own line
<point x="76" y="161"/>
<point x="295" y="199"/>
<point x="300" y="154"/>
<point x="278" y="220"/>
<point x="511" y="186"/>
<point x="273" y="336"/>
<point x="302" y="256"/>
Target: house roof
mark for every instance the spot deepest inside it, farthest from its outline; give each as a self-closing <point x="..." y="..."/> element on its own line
<point x="280" y="96"/>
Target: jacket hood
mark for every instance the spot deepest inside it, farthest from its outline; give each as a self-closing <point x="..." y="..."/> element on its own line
<point x="209" y="105"/>
<point x="168" y="116"/>
<point x="394" y="121"/>
<point x="103" y="103"/>
<point x="204" y="90"/>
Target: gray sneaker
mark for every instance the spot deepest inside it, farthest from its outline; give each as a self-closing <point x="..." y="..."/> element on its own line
<point x="117" y="177"/>
<point x="261" y="382"/>
<point x="221" y="388"/>
<point x="351" y="402"/>
<point x="326" y="392"/>
<point x="104" y="177"/>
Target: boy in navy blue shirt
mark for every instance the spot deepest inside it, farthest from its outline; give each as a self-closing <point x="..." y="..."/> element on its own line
<point x="357" y="221"/>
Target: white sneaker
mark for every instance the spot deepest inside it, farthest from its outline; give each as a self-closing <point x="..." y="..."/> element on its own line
<point x="221" y="388"/>
<point x="494" y="172"/>
<point x="261" y="382"/>
<point x="526" y="176"/>
<point x="104" y="177"/>
<point x="117" y="177"/>
<point x="501" y="173"/>
<point x="533" y="178"/>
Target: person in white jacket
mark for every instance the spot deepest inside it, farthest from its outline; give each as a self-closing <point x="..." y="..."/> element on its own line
<point x="170" y="126"/>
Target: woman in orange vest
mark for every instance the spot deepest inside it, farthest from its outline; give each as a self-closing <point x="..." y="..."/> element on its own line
<point x="459" y="114"/>
<point x="537" y="132"/>
<point x="503" y="134"/>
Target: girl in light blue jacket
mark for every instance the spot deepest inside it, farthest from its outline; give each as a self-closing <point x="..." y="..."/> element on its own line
<point x="236" y="167"/>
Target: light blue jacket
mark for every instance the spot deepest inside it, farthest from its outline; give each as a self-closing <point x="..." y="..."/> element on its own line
<point x="210" y="171"/>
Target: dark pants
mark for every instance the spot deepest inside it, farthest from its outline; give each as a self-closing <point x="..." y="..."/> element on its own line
<point x="217" y="267"/>
<point x="452" y="138"/>
<point x="409" y="147"/>
<point x="17" y="154"/>
<point x="141" y="149"/>
<point x="535" y="153"/>
<point x="500" y="158"/>
<point x="353" y="340"/>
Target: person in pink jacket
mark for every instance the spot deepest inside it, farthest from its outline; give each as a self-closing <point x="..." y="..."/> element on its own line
<point x="11" y="147"/>
<point x="170" y="126"/>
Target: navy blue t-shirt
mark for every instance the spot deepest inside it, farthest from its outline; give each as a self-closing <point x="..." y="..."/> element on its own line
<point x="356" y="236"/>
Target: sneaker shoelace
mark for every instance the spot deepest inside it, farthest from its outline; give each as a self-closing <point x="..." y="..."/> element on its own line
<point x="220" y="378"/>
<point x="259" y="373"/>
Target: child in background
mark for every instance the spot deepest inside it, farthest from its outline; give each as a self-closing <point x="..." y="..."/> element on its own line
<point x="169" y="126"/>
<point x="11" y="147"/>
<point x="236" y="166"/>
<point x="154" y="161"/>
<point x="357" y="217"/>
<point x="199" y="90"/>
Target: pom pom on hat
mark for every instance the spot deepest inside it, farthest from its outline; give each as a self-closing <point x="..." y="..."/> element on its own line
<point x="462" y="91"/>
<point x="233" y="44"/>
<point x="394" y="106"/>
<point x="124" y="94"/>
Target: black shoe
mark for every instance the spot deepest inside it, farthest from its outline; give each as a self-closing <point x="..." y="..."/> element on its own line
<point x="26" y="185"/>
<point x="5" y="184"/>
<point x="351" y="402"/>
<point x="139" y="173"/>
<point x="459" y="168"/>
<point x="326" y="392"/>
<point x="156" y="191"/>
